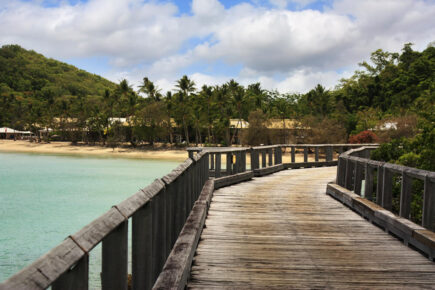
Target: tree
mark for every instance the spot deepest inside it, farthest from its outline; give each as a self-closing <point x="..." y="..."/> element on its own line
<point x="282" y="108"/>
<point x="149" y="89"/>
<point x="257" y="133"/>
<point x="185" y="87"/>
<point x="237" y="96"/>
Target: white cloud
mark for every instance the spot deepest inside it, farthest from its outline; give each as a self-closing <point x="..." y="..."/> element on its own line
<point x="284" y="3"/>
<point x="128" y="31"/>
<point x="207" y="8"/>
<point x="149" y="38"/>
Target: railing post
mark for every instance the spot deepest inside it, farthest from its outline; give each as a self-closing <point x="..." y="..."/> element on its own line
<point x="142" y="264"/>
<point x="229" y="163"/>
<point x="380" y="185"/>
<point x="349" y="174"/>
<point x="185" y="190"/>
<point x="176" y="216"/>
<point x="114" y="260"/>
<point x="341" y="171"/>
<point x="243" y="160"/>
<point x="161" y="230"/>
<point x="387" y="189"/>
<point x="212" y="157"/>
<point x="428" y="218"/>
<point x="169" y="212"/>
<point x="77" y="278"/>
<point x="368" y="188"/>
<point x="255" y="162"/>
<point x="190" y="152"/>
<point x="293" y="154"/>
<point x="358" y="178"/>
<point x="191" y="188"/>
<point x="275" y="155"/>
<point x="263" y="158"/>
<point x="316" y="154"/>
<point x="329" y="155"/>
<point x="217" y="171"/>
<point x="205" y="169"/>
<point x="305" y="154"/>
<point x="405" y="195"/>
<point x="237" y="164"/>
<point x="269" y="151"/>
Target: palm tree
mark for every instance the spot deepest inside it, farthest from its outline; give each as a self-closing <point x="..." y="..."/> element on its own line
<point x="237" y="93"/>
<point x="185" y="87"/>
<point x="169" y="108"/>
<point x="207" y="97"/>
<point x="150" y="90"/>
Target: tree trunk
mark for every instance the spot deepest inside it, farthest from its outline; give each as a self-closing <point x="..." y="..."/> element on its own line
<point x="186" y="131"/>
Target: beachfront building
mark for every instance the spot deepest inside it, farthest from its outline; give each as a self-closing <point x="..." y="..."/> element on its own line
<point x="279" y="131"/>
<point x="9" y="133"/>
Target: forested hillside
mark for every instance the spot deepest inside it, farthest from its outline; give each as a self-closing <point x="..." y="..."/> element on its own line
<point x="31" y="86"/>
<point x="393" y="87"/>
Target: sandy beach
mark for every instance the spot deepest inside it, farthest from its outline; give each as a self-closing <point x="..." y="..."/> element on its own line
<point x="121" y="152"/>
<point x="68" y="149"/>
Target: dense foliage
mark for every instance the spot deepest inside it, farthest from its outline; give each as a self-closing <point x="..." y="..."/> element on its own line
<point x="36" y="92"/>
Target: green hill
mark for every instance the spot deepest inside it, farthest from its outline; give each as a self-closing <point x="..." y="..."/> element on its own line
<point x="27" y="72"/>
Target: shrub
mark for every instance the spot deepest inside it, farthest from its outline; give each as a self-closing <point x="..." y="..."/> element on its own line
<point x="363" y="137"/>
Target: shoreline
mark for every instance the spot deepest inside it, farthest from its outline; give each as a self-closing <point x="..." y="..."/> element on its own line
<point x="66" y="148"/>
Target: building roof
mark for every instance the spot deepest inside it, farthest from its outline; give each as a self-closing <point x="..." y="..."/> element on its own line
<point x="5" y="130"/>
<point x="239" y="123"/>
<point x="272" y="124"/>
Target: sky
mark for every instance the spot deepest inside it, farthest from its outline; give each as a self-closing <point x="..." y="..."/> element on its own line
<point x="286" y="45"/>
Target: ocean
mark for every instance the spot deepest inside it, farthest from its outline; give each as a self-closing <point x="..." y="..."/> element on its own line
<point x="45" y="198"/>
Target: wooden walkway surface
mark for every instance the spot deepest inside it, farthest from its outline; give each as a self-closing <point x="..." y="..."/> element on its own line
<point x="282" y="231"/>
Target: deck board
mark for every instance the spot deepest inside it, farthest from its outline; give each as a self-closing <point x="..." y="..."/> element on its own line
<point x="283" y="231"/>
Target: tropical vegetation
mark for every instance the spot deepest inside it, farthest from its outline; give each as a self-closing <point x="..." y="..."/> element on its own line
<point x="36" y="92"/>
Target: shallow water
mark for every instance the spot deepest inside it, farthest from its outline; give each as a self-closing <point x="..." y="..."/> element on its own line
<point x="45" y="198"/>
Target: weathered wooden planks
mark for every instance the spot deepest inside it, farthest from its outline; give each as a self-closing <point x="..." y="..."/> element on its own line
<point x="282" y="231"/>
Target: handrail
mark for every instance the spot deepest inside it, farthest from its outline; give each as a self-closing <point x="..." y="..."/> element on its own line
<point x="157" y="213"/>
<point x="354" y="167"/>
<point x="267" y="159"/>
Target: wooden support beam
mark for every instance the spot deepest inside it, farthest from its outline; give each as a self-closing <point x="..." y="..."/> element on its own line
<point x="263" y="158"/>
<point x="429" y="204"/>
<point x="293" y="154"/>
<point x="114" y="260"/>
<point x="405" y="196"/>
<point x="368" y="190"/>
<point x="142" y="246"/>
<point x="348" y="183"/>
<point x="217" y="171"/>
<point x="229" y="163"/>
<point x="380" y="185"/>
<point x="359" y="174"/>
<point x="387" y="189"/>
<point x="75" y="278"/>
<point x="305" y="154"/>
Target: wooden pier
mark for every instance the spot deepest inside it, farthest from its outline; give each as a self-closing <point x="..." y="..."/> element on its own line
<point x="282" y="231"/>
<point x="257" y="218"/>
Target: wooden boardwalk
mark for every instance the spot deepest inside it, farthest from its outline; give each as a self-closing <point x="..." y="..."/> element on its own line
<point x="283" y="231"/>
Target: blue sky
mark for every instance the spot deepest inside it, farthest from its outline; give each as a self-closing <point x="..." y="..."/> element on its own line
<point x="288" y="45"/>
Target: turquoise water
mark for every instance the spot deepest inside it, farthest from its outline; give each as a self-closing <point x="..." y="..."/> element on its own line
<point x="45" y="198"/>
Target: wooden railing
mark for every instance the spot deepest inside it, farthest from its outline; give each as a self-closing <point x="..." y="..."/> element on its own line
<point x="354" y="167"/>
<point x="268" y="159"/>
<point x="157" y="213"/>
